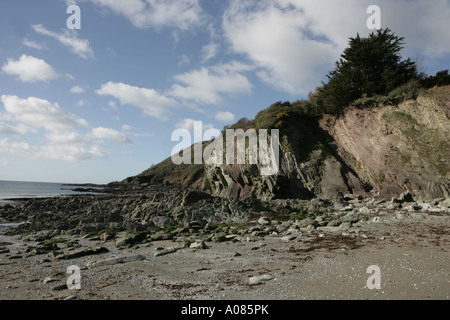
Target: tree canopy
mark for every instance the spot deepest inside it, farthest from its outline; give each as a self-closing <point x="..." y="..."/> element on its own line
<point x="368" y="67"/>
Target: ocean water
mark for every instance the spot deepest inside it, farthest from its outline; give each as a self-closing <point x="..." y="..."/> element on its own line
<point x="21" y="189"/>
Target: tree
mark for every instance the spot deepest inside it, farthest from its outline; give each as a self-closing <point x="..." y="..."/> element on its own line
<point x="441" y="78"/>
<point x="368" y="67"/>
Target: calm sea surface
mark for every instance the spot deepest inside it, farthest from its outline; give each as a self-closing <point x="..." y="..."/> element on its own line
<point x="19" y="189"/>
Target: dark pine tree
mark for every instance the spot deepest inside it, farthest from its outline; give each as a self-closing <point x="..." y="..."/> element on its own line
<point x="368" y="67"/>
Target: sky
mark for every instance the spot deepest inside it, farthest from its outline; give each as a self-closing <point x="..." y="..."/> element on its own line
<point x="100" y="103"/>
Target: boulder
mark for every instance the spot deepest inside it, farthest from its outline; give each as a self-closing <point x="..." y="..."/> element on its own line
<point x="82" y="253"/>
<point x="306" y="222"/>
<point x="199" y="244"/>
<point x="161" y="235"/>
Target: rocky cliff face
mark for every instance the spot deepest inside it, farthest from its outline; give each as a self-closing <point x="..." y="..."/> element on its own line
<point x="398" y="148"/>
<point x="382" y="151"/>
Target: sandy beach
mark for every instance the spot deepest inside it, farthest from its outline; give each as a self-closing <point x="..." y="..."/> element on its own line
<point x="412" y="254"/>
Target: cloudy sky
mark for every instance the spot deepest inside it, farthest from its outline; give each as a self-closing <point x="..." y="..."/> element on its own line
<point x="100" y="103"/>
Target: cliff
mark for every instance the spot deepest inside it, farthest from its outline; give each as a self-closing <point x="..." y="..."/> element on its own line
<point x="371" y="149"/>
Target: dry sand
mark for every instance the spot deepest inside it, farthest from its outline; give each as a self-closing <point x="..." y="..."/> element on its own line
<point x="413" y="258"/>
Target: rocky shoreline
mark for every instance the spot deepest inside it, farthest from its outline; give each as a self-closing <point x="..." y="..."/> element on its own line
<point x="168" y="243"/>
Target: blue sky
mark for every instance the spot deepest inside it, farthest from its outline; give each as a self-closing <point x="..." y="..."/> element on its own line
<point x="100" y="103"/>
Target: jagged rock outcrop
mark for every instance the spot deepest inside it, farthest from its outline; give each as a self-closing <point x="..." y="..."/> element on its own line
<point x="398" y="148"/>
<point x="383" y="150"/>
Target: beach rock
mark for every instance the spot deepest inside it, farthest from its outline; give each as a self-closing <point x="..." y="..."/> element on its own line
<point x="218" y="238"/>
<point x="165" y="252"/>
<point x="162" y="221"/>
<point x="199" y="244"/>
<point x="334" y="223"/>
<point x="288" y="238"/>
<point x="406" y="197"/>
<point x="364" y="210"/>
<point x="195" y="225"/>
<point x="345" y="225"/>
<point x="259" y="233"/>
<point x="376" y="220"/>
<point x="161" y="235"/>
<point x="49" y="280"/>
<point x="264" y="221"/>
<point x="401" y="216"/>
<point x="132" y="240"/>
<point x="82" y="253"/>
<point x="185" y="242"/>
<point x="306" y="222"/>
<point x="112" y="261"/>
<point x="37" y="251"/>
<point x="107" y="235"/>
<point x="260" y="279"/>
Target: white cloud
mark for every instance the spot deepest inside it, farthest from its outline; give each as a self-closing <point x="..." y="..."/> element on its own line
<point x="183" y="60"/>
<point x="77" y="89"/>
<point x="33" y="44"/>
<point x="6" y="129"/>
<point x="275" y="40"/>
<point x="130" y="131"/>
<point x="69" y="39"/>
<point x="126" y="127"/>
<point x="19" y="148"/>
<point x="66" y="137"/>
<point x="111" y="52"/>
<point x="61" y="152"/>
<point x="149" y="101"/>
<point x="40" y="113"/>
<point x="71" y="153"/>
<point x="80" y="103"/>
<point x="296" y="42"/>
<point x="109" y="134"/>
<point x="181" y="14"/>
<point x="209" y="51"/>
<point x="30" y="69"/>
<point x="209" y="85"/>
<point x="4" y="162"/>
<point x="225" y="116"/>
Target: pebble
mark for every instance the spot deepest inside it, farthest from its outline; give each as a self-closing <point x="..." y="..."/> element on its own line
<point x="288" y="238"/>
<point x="260" y="279"/>
<point x="263" y="221"/>
<point x="49" y="280"/>
<point x="345" y="225"/>
<point x="164" y="252"/>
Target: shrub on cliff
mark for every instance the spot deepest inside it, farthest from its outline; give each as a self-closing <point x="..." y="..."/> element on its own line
<point x="442" y="78"/>
<point x="368" y="67"/>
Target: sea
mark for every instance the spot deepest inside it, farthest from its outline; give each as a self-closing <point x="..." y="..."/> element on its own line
<point x="23" y="189"/>
<point x="10" y="190"/>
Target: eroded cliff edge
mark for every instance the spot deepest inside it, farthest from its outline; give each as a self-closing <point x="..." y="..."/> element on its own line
<point x="381" y="150"/>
